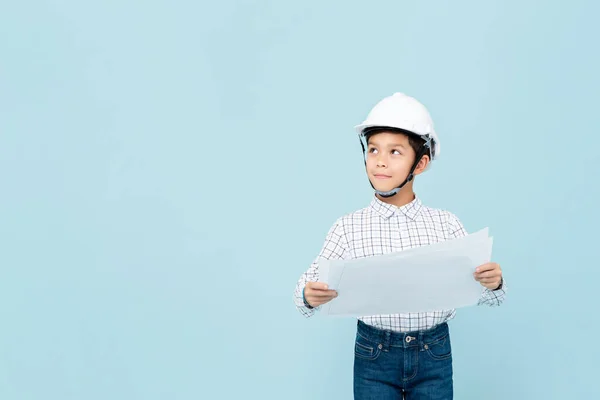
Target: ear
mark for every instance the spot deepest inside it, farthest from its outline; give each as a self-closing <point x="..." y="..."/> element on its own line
<point x="423" y="163"/>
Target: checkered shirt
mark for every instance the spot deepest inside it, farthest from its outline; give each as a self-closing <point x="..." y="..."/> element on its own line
<point x="382" y="228"/>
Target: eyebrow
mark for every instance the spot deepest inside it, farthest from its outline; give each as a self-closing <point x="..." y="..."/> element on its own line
<point x="391" y="145"/>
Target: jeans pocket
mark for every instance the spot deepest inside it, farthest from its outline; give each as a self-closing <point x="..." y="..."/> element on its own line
<point x="365" y="349"/>
<point x="439" y="349"/>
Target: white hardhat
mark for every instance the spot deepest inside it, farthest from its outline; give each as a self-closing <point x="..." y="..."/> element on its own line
<point x="405" y="113"/>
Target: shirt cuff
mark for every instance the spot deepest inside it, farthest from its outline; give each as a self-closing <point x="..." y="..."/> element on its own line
<point x="306" y="302"/>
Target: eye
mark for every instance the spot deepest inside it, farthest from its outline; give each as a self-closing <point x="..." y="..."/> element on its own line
<point x="372" y="150"/>
<point x="396" y="152"/>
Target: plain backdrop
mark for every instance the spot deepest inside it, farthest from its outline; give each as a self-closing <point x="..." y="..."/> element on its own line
<point x="168" y="169"/>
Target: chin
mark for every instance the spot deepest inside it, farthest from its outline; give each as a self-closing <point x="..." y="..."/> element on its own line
<point x="385" y="188"/>
<point x="384" y="185"/>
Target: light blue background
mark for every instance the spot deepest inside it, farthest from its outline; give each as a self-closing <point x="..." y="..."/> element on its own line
<point x="170" y="168"/>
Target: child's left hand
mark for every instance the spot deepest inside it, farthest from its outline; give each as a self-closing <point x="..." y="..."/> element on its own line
<point x="489" y="275"/>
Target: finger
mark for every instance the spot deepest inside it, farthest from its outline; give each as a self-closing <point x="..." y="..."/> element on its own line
<point x="487" y="267"/>
<point x="321" y="293"/>
<point x="323" y="298"/>
<point x="317" y="285"/>
<point x="492" y="283"/>
<point x="488" y="274"/>
<point x="319" y="301"/>
<point x="485" y="281"/>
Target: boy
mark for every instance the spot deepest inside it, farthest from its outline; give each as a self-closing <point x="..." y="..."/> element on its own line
<point x="402" y="354"/>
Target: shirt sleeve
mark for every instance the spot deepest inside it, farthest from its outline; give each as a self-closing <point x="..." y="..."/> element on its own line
<point x="335" y="247"/>
<point x="489" y="297"/>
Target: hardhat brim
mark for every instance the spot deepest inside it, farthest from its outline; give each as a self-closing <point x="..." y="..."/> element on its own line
<point x="360" y="128"/>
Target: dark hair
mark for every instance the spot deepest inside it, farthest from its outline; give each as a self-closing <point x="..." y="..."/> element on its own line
<point x="414" y="140"/>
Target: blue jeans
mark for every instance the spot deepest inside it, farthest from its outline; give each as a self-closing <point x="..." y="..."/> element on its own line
<point x="389" y="365"/>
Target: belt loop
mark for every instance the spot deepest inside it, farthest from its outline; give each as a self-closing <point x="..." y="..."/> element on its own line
<point x="387" y="339"/>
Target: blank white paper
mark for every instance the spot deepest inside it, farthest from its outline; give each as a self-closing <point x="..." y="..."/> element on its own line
<point x="427" y="278"/>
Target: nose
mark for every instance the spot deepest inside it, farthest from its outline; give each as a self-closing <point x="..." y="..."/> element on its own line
<point x="380" y="162"/>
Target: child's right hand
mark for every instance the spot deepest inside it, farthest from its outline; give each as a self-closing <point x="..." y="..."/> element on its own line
<point x="317" y="293"/>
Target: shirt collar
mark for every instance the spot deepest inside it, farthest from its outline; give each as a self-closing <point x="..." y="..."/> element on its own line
<point x="411" y="210"/>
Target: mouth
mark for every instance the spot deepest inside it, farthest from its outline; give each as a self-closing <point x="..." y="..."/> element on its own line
<point x="382" y="176"/>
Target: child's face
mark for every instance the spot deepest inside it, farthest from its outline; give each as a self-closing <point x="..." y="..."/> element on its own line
<point x="389" y="160"/>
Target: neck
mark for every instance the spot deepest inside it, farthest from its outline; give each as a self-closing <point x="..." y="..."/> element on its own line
<point x="403" y="197"/>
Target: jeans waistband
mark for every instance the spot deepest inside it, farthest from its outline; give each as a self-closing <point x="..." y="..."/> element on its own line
<point x="402" y="339"/>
